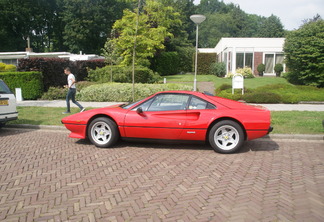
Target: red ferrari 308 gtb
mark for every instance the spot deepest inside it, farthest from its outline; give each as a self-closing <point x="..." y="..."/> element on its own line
<point x="173" y="116"/>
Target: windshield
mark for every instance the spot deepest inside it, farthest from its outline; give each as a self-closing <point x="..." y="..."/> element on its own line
<point x="4" y="89"/>
<point x="130" y="105"/>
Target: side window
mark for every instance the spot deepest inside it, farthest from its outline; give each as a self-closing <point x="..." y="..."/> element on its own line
<point x="196" y="103"/>
<point x="168" y="102"/>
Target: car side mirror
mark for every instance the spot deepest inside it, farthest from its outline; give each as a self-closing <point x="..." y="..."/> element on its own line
<point x="139" y="110"/>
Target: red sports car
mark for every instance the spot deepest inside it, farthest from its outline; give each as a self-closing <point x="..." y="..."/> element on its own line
<point x="173" y="116"/>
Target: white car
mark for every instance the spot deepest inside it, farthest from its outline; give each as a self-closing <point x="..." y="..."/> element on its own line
<point x="8" y="110"/>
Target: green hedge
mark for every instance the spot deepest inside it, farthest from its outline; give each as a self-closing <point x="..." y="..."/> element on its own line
<point x="167" y="63"/>
<point x="53" y="69"/>
<point x="274" y="93"/>
<point x="116" y="92"/>
<point x="123" y="74"/>
<point x="204" y="62"/>
<point x="31" y="83"/>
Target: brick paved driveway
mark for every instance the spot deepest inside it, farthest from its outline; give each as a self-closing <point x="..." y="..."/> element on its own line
<point x="46" y="176"/>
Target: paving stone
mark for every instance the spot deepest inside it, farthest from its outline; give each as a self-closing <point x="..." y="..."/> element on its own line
<point x="46" y="176"/>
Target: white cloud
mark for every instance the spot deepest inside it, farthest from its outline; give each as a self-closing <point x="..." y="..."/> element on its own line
<point x="290" y="12"/>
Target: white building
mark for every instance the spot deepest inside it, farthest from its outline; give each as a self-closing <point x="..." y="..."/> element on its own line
<point x="12" y="57"/>
<point x="241" y="52"/>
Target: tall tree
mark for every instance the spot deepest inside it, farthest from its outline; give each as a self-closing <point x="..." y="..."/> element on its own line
<point x="20" y="19"/>
<point x="153" y="28"/>
<point x="304" y="52"/>
<point x="88" y="23"/>
<point x="271" y="27"/>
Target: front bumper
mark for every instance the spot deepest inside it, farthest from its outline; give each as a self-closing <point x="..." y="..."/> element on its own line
<point x="270" y="129"/>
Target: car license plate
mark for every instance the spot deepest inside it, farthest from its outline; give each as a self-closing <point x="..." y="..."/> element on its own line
<point x="4" y="103"/>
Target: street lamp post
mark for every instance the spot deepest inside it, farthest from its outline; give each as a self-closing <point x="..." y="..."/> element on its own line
<point x="197" y="19"/>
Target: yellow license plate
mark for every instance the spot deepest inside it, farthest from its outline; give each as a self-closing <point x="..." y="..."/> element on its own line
<point x="4" y="103"/>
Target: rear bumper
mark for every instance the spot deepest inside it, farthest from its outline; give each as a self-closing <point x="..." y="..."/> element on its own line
<point x="8" y="117"/>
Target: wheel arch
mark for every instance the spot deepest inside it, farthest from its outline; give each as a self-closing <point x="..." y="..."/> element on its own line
<point x="225" y="118"/>
<point x="98" y="116"/>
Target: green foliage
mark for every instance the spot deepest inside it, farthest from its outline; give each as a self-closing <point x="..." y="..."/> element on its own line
<point x="52" y="69"/>
<point x="271" y="27"/>
<point x="31" y="83"/>
<point x="204" y="62"/>
<point x="262" y="97"/>
<point x="274" y="93"/>
<point x="278" y="69"/>
<point x="7" y="68"/>
<point x="148" y="29"/>
<point x="112" y="92"/>
<point x="87" y="23"/>
<point x="218" y="69"/>
<point x="223" y="87"/>
<point x="186" y="54"/>
<point x="167" y="63"/>
<point x="304" y="52"/>
<point x="246" y="72"/>
<point x="123" y="74"/>
<point x="261" y="69"/>
<point x="2" y="67"/>
<point x="55" y="93"/>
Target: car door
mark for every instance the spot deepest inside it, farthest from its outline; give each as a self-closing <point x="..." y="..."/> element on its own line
<point x="200" y="114"/>
<point x="161" y="117"/>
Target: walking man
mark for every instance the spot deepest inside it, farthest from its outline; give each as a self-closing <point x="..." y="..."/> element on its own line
<point x="71" y="92"/>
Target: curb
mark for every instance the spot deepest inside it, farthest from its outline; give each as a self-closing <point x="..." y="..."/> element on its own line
<point x="34" y="127"/>
<point x="317" y="137"/>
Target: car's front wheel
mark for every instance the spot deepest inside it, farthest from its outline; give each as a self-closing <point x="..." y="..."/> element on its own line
<point x="226" y="136"/>
<point x="103" y="132"/>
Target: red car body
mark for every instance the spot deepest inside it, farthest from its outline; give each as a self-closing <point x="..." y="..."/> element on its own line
<point x="176" y="121"/>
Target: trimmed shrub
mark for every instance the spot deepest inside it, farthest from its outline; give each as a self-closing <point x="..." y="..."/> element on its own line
<point x="204" y="62"/>
<point x="185" y="58"/>
<point x="167" y="63"/>
<point x="123" y="74"/>
<point x="31" y="83"/>
<point x="262" y="97"/>
<point x="246" y="72"/>
<point x="261" y="69"/>
<point x="7" y="68"/>
<point x="10" y="68"/>
<point x="112" y="92"/>
<point x="278" y="69"/>
<point x="54" y="93"/>
<point x="223" y="87"/>
<point x="218" y="69"/>
<point x="2" y="67"/>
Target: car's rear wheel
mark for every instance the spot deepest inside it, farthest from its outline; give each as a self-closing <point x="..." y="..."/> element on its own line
<point x="103" y="132"/>
<point x="226" y="136"/>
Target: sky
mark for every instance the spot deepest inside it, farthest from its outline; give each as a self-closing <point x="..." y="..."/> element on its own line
<point x="290" y="12"/>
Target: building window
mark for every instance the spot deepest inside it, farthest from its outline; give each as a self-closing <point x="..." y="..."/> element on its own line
<point x="244" y="60"/>
<point x="9" y="61"/>
<point x="270" y="60"/>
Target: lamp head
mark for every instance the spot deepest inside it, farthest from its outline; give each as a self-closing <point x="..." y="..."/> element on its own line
<point x="197" y="19"/>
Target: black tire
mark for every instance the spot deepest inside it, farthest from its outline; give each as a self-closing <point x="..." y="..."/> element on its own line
<point x="103" y="132"/>
<point x="226" y="136"/>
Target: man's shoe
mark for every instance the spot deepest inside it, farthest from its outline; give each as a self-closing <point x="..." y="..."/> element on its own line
<point x="66" y="112"/>
<point x="82" y="110"/>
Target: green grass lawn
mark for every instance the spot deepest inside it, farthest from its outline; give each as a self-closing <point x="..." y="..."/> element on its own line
<point x="248" y="83"/>
<point x="284" y="122"/>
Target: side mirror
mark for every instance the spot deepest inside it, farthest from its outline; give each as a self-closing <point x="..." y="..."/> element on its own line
<point x="139" y="110"/>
